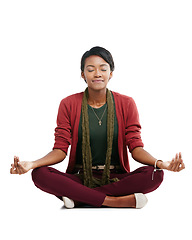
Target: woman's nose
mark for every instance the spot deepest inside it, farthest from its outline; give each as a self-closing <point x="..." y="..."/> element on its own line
<point x="97" y="73"/>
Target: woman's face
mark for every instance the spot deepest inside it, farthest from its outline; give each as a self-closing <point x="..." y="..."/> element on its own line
<point x="96" y="72"/>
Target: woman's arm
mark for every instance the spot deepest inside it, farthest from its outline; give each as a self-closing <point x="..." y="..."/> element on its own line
<point x="142" y="156"/>
<point x="51" y="158"/>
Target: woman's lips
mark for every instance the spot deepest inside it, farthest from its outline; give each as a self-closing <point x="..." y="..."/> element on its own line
<point x="97" y="81"/>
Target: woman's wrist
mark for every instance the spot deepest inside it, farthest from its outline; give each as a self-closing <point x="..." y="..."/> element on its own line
<point x="159" y="164"/>
<point x="33" y="165"/>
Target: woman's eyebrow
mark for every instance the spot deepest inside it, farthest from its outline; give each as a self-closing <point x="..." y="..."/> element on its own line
<point x="90" y="66"/>
<point x="94" y="66"/>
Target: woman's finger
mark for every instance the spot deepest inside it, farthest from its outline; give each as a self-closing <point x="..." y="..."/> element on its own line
<point x="21" y="168"/>
<point x="16" y="160"/>
<point x="18" y="168"/>
<point x="174" y="163"/>
<point x="182" y="166"/>
<point x="180" y="156"/>
<point x="13" y="171"/>
<point x="178" y="162"/>
<point x="171" y="165"/>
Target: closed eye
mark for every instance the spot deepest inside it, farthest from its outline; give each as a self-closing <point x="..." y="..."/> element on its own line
<point x="91" y="70"/>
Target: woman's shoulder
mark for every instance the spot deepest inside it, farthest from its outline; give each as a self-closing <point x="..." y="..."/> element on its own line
<point x="124" y="103"/>
<point x="122" y="97"/>
<point x="74" y="98"/>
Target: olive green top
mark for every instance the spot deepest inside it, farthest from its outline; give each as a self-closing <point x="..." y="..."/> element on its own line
<point x="98" y="137"/>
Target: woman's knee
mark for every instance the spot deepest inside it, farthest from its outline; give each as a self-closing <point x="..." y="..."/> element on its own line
<point x="156" y="179"/>
<point x="159" y="174"/>
<point x="38" y="173"/>
<point x="155" y="174"/>
<point x="153" y="178"/>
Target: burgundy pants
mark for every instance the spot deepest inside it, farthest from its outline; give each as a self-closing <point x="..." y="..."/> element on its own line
<point x="61" y="184"/>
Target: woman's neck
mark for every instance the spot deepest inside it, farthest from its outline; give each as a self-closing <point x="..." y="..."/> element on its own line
<point x="97" y="98"/>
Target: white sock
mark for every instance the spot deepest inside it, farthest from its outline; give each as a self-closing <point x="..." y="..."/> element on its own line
<point x="69" y="203"/>
<point x="141" y="200"/>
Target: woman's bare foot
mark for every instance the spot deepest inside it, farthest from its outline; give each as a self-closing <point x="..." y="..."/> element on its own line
<point x="123" y="201"/>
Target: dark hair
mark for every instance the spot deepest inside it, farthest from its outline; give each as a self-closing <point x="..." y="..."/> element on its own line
<point x="101" y="52"/>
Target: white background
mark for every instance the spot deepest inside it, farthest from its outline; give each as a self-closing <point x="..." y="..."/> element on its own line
<point x="41" y="44"/>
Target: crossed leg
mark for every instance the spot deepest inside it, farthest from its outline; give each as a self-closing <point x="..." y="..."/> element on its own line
<point x="121" y="194"/>
<point x="118" y="194"/>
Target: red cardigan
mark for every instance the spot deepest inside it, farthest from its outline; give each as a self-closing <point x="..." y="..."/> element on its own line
<point x="66" y="132"/>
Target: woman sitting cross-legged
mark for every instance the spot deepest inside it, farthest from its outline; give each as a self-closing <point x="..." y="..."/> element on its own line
<point x="99" y="124"/>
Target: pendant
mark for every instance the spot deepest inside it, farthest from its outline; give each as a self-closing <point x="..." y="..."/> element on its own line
<point x="100" y="122"/>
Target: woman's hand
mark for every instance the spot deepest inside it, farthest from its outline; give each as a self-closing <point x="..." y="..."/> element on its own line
<point x="20" y="167"/>
<point x="176" y="165"/>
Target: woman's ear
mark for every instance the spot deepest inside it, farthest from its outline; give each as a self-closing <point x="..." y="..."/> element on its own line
<point x="83" y="76"/>
<point x="111" y="75"/>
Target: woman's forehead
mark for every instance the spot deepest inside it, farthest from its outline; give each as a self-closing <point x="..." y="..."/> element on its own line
<point x="95" y="60"/>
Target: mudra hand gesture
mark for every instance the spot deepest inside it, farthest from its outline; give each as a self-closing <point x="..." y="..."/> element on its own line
<point x="176" y="165"/>
<point x="20" y="167"/>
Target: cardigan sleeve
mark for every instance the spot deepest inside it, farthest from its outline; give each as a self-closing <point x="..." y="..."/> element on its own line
<point x="133" y="127"/>
<point x="63" y="129"/>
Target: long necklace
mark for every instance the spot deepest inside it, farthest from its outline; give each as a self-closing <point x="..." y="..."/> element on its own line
<point x="100" y="122"/>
